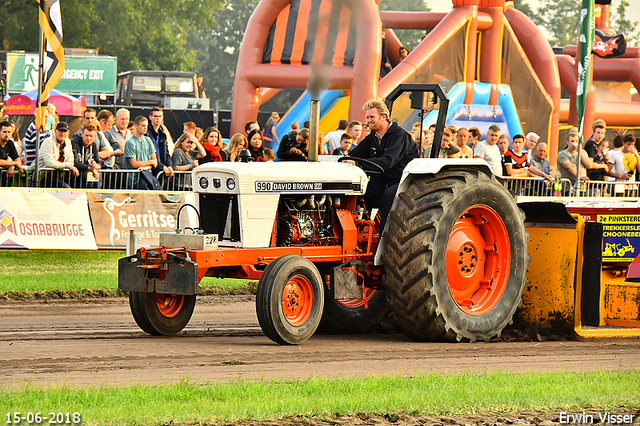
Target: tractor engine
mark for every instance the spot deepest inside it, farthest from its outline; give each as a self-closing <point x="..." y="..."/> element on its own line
<point x="305" y="220"/>
<point x="254" y="205"/>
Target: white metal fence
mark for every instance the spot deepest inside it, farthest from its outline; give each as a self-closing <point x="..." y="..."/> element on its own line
<point x="539" y="187"/>
<point x="107" y="179"/>
<point x="181" y="181"/>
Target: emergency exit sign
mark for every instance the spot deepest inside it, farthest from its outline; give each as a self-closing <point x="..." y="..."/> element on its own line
<point x="83" y="75"/>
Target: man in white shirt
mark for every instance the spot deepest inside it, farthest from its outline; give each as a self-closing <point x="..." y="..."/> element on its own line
<point x="617" y="168"/>
<point x="530" y="142"/>
<point x="488" y="150"/>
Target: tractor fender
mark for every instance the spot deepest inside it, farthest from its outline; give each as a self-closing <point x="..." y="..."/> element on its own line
<point x="428" y="166"/>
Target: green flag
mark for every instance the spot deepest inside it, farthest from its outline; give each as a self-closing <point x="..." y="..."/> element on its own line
<point x="585" y="46"/>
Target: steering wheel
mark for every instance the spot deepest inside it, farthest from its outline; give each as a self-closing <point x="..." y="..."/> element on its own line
<point x="377" y="169"/>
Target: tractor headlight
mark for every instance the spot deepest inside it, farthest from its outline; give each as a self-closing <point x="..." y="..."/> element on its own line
<point x="231" y="184"/>
<point x="204" y="182"/>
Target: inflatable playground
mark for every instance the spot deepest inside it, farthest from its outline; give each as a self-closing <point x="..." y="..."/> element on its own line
<point x="495" y="64"/>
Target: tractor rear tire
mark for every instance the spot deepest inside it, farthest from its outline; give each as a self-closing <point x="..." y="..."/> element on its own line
<point x="456" y="257"/>
<point x="351" y="317"/>
<point x="161" y="314"/>
<point x="290" y="300"/>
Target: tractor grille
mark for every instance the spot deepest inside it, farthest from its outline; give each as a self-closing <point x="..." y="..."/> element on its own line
<point x="219" y="214"/>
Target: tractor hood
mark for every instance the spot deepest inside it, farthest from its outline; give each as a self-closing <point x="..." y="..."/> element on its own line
<point x="279" y="177"/>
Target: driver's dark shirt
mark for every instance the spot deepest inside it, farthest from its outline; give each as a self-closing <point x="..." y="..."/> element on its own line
<point x="396" y="149"/>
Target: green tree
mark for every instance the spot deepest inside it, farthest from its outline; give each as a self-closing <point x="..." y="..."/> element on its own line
<point x="18" y="24"/>
<point x="143" y="34"/>
<point x="409" y="38"/>
<point x="523" y="7"/>
<point x="561" y="19"/>
<point x="217" y="49"/>
<point x="620" y="24"/>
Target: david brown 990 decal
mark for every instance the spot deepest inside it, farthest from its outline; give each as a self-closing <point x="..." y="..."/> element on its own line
<point x="270" y="186"/>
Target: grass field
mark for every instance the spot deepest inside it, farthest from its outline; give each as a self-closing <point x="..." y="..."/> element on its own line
<point x="456" y="394"/>
<point x="195" y="402"/>
<point x="71" y="272"/>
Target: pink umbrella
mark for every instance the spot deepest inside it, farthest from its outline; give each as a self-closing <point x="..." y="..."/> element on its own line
<point x="25" y="104"/>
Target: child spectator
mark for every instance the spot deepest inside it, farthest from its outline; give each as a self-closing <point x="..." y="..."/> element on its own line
<point x="515" y="162"/>
<point x="427" y="138"/>
<point x="503" y="144"/>
<point x="269" y="156"/>
<point x="345" y="145"/>
<point x="269" y="133"/>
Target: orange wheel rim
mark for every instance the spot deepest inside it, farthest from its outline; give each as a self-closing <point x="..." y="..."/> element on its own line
<point x="169" y="305"/>
<point x="356" y="303"/>
<point x="297" y="300"/>
<point x="478" y="260"/>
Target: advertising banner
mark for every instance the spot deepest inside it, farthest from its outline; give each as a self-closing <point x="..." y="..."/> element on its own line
<point x="620" y="237"/>
<point x="86" y="75"/>
<point x="147" y="213"/>
<point x="39" y="219"/>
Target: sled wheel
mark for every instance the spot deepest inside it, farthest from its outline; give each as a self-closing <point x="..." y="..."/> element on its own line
<point x="349" y="316"/>
<point x="169" y="305"/>
<point x="138" y="310"/>
<point x="289" y="300"/>
<point x="169" y="313"/>
<point x="161" y="314"/>
<point x="456" y="256"/>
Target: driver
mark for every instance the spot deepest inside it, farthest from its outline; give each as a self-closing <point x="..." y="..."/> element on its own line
<point x="389" y="146"/>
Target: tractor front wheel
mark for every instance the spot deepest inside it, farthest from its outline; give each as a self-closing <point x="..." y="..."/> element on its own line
<point x="161" y="314"/>
<point x="456" y="257"/>
<point x="289" y="300"/>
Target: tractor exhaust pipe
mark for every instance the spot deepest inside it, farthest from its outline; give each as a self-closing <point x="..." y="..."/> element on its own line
<point x="326" y="23"/>
<point x="314" y="128"/>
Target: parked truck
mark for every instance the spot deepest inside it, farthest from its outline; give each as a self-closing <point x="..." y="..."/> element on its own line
<point x="162" y="89"/>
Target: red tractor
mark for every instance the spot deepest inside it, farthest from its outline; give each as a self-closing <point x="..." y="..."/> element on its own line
<point x="450" y="264"/>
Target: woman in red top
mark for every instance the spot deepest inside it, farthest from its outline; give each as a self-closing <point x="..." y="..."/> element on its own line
<point x="211" y="141"/>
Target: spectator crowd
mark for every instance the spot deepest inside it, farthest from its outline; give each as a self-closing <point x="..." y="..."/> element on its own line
<point x="109" y="143"/>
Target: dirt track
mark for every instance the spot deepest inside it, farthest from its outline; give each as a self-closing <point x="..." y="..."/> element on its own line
<point x="98" y="342"/>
